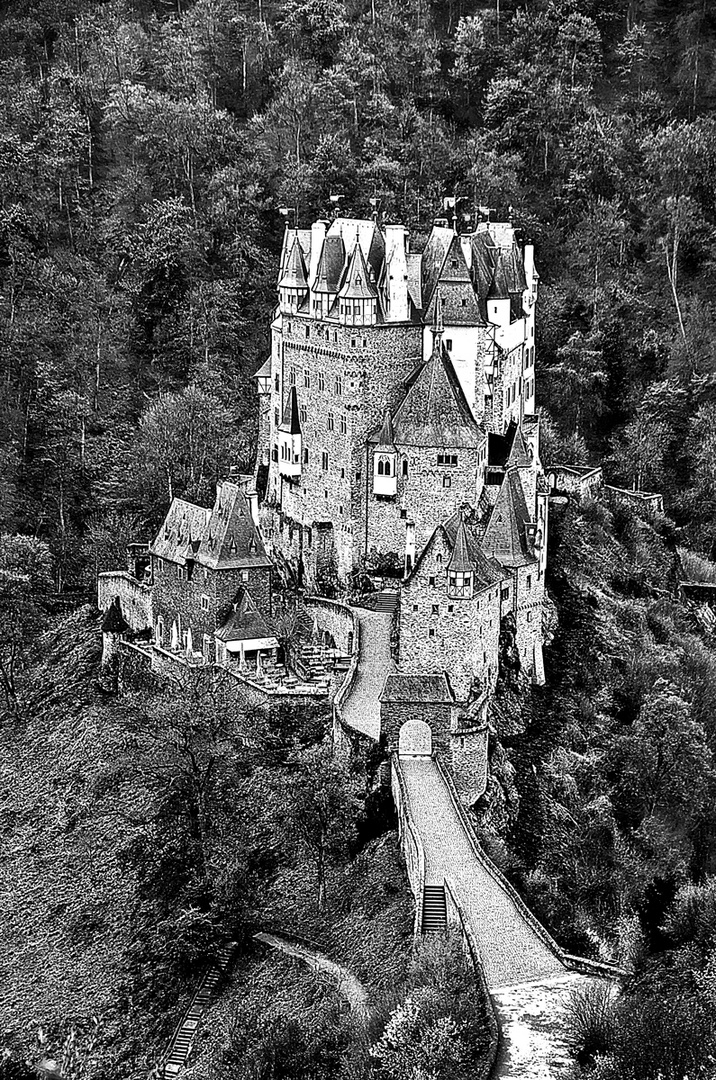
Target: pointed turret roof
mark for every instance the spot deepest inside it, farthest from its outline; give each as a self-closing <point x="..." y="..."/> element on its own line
<point x="454" y="267"/>
<point x="357" y="284"/>
<point x="519" y="455"/>
<point x="460" y="560"/>
<point x="295" y="275"/>
<point x="245" y="623"/>
<point x="386" y="436"/>
<point x="505" y="538"/>
<point x="290" y="421"/>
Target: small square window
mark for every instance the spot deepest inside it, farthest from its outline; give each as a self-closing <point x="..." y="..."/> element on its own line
<point x="431" y="633"/>
<point x="447" y="481"/>
<point x="432" y="580"/>
<point x="451" y="607"/>
<point x="448" y="344"/>
<point x="436" y="609"/>
<point x="403" y="514"/>
<point x="415" y="607"/>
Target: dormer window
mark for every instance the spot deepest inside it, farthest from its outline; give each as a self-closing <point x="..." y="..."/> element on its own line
<point x="460" y="585"/>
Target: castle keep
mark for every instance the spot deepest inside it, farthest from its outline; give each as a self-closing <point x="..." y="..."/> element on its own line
<point x="398" y="437"/>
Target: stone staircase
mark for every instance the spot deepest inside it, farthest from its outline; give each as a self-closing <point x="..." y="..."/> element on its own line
<point x="385" y="601"/>
<point x="176" y="1057"/>
<point x="434" y="909"/>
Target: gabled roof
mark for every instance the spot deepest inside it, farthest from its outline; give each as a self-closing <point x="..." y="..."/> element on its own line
<point x="434" y="411"/>
<point x="265" y="370"/>
<point x="459" y="303"/>
<point x="230" y="539"/>
<point x="486" y="571"/>
<point x="484" y="258"/>
<point x="295" y="275"/>
<point x="290" y="421"/>
<point x="245" y="623"/>
<point x="179" y="537"/>
<point x="415" y="290"/>
<point x="330" y="265"/>
<point x="407" y="688"/>
<point x="505" y="538"/>
<point x="357" y="284"/>
<point x="386" y="435"/>
<point x="454" y="267"/>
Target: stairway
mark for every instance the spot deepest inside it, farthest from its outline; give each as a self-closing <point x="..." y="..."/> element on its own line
<point x="434" y="910"/>
<point x="384" y="602"/>
<point x="176" y="1057"/>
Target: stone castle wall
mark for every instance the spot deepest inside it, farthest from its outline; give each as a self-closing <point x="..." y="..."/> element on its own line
<point x="135" y="598"/>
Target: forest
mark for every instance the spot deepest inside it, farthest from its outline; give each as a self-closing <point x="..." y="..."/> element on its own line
<point x="151" y="153"/>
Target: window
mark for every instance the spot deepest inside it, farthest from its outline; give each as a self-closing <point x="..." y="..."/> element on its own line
<point x="343" y="425"/>
<point x="439" y="560"/>
<point x="529" y="581"/>
<point x="292" y="377"/>
<point x="343" y="474"/>
<point x="365" y="343"/>
<point x="451" y="608"/>
<point x="403" y="514"/>
<point x="307" y="378"/>
<point x="354" y="341"/>
<point x="529" y="616"/>
<point x="329" y="421"/>
<point x="308" y="331"/>
<point x="436" y="609"/>
<point x="324" y="464"/>
<point x="448" y="344"/>
<point x="339" y="385"/>
<point x="358" y="477"/>
<point x="274" y="454"/>
<point x="415" y="607"/>
<point x="464" y="302"/>
<point x="275" y="417"/>
<point x="405" y="466"/>
<point x="288" y="327"/>
<point x="305" y="457"/>
<point x="276" y="384"/>
<point x="431" y="633"/>
<point x="321" y="382"/>
<point x="303" y="414"/>
<point x="460" y="585"/>
<point x="447" y="459"/>
<point x="160" y="564"/>
<point x="447" y="481"/>
<point x="432" y="580"/>
<point x="205" y="603"/>
<point x="181" y="573"/>
<point x="505" y="595"/>
<point x="244" y="575"/>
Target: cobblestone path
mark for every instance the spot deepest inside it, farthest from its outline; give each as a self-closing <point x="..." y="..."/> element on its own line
<point x="362" y="708"/>
<point x="511" y="950"/>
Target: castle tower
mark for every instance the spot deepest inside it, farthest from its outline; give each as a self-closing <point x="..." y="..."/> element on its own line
<point x="289" y="439"/>
<point x="385" y="460"/>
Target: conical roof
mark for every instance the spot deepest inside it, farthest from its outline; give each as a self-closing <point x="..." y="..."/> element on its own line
<point x="386" y="436"/>
<point x="290" y="421"/>
<point x="357" y="284"/>
<point x="295" y="275"/>
<point x="460" y="561"/>
<point x="505" y="538"/>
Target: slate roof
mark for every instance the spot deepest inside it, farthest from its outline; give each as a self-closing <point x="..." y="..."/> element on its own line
<point x="295" y="275"/>
<point x="519" y="454"/>
<point x="230" y="539"/>
<point x="499" y="446"/>
<point x="461" y="561"/>
<point x="486" y="571"/>
<point x="290" y="421"/>
<point x="179" y="537"/>
<point x="245" y="623"/>
<point x="405" y="688"/>
<point x="386" y="435"/>
<point x="434" y="411"/>
<point x="357" y="284"/>
<point x="265" y="370"/>
<point x="330" y="266"/>
<point x="436" y="249"/>
<point x="363" y="231"/>
<point x="505" y="537"/>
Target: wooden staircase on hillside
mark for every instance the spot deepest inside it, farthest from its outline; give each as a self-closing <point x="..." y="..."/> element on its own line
<point x="183" y="1037"/>
<point x="434" y="909"/>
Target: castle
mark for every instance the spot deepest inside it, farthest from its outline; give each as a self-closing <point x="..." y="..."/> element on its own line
<point x="397" y="434"/>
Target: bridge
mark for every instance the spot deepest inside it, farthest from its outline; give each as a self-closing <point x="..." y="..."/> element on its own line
<point x="525" y="975"/>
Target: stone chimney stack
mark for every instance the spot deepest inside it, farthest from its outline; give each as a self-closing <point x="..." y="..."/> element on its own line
<point x="253" y="500"/>
<point x="396" y="267"/>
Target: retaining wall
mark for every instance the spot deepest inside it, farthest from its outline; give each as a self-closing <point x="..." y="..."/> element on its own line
<point x="410" y="842"/>
<point x="134" y="597"/>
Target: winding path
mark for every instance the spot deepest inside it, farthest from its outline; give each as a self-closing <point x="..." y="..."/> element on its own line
<point x="529" y="985"/>
<point x="361" y="709"/>
<point x="346" y="982"/>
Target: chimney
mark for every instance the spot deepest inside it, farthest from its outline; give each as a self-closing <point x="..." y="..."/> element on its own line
<point x="396" y="267"/>
<point x="318" y="235"/>
<point x="253" y="498"/>
<point x="529" y="264"/>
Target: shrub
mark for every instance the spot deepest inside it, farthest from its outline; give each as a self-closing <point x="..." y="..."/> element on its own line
<point x="590" y="1016"/>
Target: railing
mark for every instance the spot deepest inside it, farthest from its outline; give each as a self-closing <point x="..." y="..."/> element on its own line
<point x="574" y="962"/>
<point x="456" y="917"/>
<point x="410" y="841"/>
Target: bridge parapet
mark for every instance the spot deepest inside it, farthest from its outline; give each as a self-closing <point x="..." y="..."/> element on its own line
<point x="410" y="841"/>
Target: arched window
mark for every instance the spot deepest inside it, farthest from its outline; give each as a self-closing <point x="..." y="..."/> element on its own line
<point x="405" y="466"/>
<point x="380" y="467"/>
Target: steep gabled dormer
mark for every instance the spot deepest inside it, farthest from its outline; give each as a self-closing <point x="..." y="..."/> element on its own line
<point x="293" y="286"/>
<point x="289" y="438"/>
<point x="358" y="295"/>
<point x="385" y="460"/>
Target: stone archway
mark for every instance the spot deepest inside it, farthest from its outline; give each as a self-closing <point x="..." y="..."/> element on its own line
<point x="415" y="739"/>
